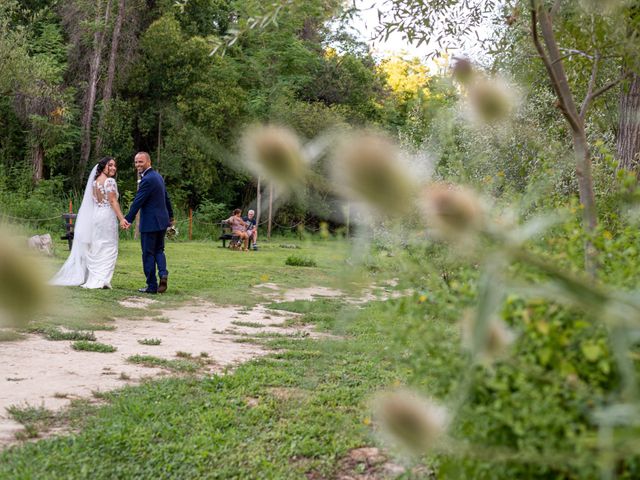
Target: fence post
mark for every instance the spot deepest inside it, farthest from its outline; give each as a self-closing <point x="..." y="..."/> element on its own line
<point x="71" y="210"/>
<point x="190" y="223"/>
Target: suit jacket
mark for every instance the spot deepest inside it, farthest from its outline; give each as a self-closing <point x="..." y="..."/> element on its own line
<point x="153" y="203"/>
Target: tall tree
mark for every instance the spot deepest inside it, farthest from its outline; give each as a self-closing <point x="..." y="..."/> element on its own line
<point x="628" y="135"/>
<point x="102" y="13"/>
<point x="111" y="73"/>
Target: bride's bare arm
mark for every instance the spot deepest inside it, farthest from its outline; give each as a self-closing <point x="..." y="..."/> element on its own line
<point x="113" y="200"/>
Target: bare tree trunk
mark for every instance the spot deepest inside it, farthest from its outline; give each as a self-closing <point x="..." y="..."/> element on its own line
<point x="92" y="87"/>
<point x="111" y="73"/>
<point x="37" y="160"/>
<point x="628" y="141"/>
<point x="566" y="102"/>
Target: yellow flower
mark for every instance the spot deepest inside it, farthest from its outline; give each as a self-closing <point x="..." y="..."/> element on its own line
<point x="422" y="299"/>
<point x="264" y="278"/>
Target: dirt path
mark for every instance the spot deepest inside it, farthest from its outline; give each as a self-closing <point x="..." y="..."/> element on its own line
<point x="37" y="371"/>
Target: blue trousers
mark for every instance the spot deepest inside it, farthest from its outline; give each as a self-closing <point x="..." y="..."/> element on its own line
<point x="152" y="256"/>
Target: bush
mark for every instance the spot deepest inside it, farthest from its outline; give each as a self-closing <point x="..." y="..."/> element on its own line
<point x="296" y="261"/>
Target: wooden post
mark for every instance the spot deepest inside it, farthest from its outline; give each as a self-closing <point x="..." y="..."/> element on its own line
<point x="270" y="211"/>
<point x="258" y="204"/>
<point x="71" y="210"/>
<point x="348" y="215"/>
<point x="190" y="223"/>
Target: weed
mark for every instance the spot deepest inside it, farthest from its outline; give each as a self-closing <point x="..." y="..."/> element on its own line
<point x="85" y="346"/>
<point x="186" y="366"/>
<point x="150" y="341"/>
<point x="240" y="323"/>
<point x="297" y="261"/>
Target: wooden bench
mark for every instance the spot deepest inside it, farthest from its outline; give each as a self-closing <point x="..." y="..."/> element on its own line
<point x="68" y="227"/>
<point x="226" y="235"/>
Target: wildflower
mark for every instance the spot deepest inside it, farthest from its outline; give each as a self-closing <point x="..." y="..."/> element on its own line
<point x="274" y="152"/>
<point x="490" y="99"/>
<point x="452" y="210"/>
<point x="416" y="422"/>
<point x="368" y="168"/>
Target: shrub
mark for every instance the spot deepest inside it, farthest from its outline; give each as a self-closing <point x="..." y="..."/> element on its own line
<point x="296" y="261"/>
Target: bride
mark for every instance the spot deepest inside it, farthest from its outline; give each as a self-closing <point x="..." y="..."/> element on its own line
<point x="95" y="242"/>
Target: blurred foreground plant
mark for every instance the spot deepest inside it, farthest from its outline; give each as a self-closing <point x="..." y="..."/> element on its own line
<point x="22" y="285"/>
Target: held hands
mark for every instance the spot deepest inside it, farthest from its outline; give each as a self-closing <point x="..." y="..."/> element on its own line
<point x="124" y="225"/>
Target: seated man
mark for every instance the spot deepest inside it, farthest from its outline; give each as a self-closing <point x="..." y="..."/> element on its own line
<point x="252" y="228"/>
<point x="238" y="227"/>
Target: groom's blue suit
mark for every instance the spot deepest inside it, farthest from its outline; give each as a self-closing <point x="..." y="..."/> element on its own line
<point x="156" y="213"/>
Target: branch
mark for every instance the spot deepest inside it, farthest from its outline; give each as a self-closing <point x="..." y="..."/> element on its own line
<point x="547" y="63"/>
<point x="592" y="84"/>
<point x="573" y="51"/>
<point x="600" y="91"/>
<point x="558" y="74"/>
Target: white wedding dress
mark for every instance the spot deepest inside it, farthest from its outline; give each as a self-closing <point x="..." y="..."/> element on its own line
<point x="95" y="243"/>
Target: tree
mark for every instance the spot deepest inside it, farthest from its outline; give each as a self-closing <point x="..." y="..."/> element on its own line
<point x="424" y="21"/>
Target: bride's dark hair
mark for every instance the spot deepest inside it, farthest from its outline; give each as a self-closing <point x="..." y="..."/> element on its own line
<point x="102" y="164"/>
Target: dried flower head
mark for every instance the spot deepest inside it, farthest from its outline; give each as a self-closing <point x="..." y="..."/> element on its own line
<point x="489" y="343"/>
<point x="416" y="423"/>
<point x="462" y="70"/>
<point x="453" y="211"/>
<point x="368" y="168"/>
<point x="22" y="287"/>
<point x="491" y="99"/>
<point x="275" y="153"/>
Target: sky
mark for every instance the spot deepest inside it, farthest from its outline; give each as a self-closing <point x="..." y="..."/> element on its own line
<point x="365" y="25"/>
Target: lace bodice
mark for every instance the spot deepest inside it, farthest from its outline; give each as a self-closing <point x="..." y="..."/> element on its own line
<point x="101" y="192"/>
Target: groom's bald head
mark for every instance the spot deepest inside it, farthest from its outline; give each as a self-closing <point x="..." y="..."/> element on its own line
<point x="142" y="161"/>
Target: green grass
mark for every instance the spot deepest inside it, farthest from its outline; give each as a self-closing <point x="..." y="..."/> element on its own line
<point x="85" y="346"/>
<point x="150" y="341"/>
<point x="54" y="333"/>
<point x="298" y="261"/>
<point x="239" y="323"/>
<point x="181" y="366"/>
<point x="10" y="335"/>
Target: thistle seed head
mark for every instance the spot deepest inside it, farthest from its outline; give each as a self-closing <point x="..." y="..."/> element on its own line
<point x="416" y="423"/>
<point x="368" y="168"/>
<point x="22" y="286"/>
<point x="462" y="70"/>
<point x="276" y="153"/>
<point x="491" y="100"/>
<point x="453" y="211"/>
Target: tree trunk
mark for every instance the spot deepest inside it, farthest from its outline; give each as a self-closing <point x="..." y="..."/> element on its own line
<point x="628" y="141"/>
<point x="37" y="161"/>
<point x="575" y="119"/>
<point x="159" y="137"/>
<point x="92" y="87"/>
<point x="111" y="73"/>
<point x="270" y="210"/>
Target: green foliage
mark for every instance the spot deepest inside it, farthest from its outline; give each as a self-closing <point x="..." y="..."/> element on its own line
<point x="298" y="261"/>
<point x="86" y="346"/>
<point x="150" y="341"/>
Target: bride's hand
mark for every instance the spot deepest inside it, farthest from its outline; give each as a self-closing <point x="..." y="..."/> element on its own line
<point x="124" y="224"/>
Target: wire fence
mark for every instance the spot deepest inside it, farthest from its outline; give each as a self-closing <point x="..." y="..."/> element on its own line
<point x="189" y="228"/>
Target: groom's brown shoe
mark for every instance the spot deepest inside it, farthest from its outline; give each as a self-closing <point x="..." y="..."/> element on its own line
<point x="163" y="285"/>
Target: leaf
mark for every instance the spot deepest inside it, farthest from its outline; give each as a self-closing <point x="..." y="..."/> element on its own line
<point x="591" y="351"/>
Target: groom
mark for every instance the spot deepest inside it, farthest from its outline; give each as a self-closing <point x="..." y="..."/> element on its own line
<point x="156" y="215"/>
